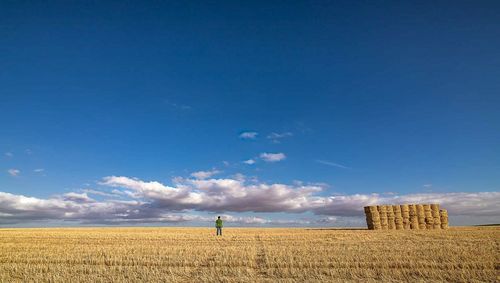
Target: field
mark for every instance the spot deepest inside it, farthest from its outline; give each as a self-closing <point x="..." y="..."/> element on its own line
<point x="248" y="255"/>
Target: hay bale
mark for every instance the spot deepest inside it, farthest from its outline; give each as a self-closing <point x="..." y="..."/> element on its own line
<point x="391" y="224"/>
<point x="421" y="217"/>
<point x="435" y="207"/>
<point x="382" y="210"/>
<point x="444" y="218"/>
<point x="398" y="218"/>
<point x="397" y="210"/>
<point x="375" y="217"/>
<point x="436" y="216"/>
<point x="429" y="220"/>
<point x="405" y="214"/>
<point x="413" y="217"/>
<point x="372" y="217"/>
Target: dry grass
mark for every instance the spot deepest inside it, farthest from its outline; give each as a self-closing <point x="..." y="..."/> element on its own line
<point x="248" y="255"/>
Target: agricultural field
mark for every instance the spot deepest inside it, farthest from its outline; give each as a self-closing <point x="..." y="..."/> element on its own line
<point x="248" y="255"/>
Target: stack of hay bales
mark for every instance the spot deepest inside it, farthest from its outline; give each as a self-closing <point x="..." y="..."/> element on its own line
<point x="436" y="216"/>
<point x="382" y="211"/>
<point x="421" y="217"/>
<point x="444" y="218"/>
<point x="369" y="220"/>
<point x="391" y="224"/>
<point x="429" y="220"/>
<point x="406" y="217"/>
<point x="398" y="217"/>
<point x="413" y="217"/>
<point x="405" y="213"/>
<point x="372" y="218"/>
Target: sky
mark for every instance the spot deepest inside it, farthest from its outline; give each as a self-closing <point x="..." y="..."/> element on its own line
<point x="269" y="113"/>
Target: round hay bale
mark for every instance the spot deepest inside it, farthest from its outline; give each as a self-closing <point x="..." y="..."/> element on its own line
<point x="414" y="225"/>
<point x="396" y="209"/>
<point x="435" y="206"/>
<point x="420" y="209"/>
<point x="444" y="218"/>
<point x="405" y="207"/>
<point x="372" y="217"/>
<point x="390" y="218"/>
<point x="429" y="220"/>
<point x="412" y="209"/>
<point x="406" y="224"/>
<point x="405" y="214"/>
<point x="413" y="216"/>
<point x="383" y="216"/>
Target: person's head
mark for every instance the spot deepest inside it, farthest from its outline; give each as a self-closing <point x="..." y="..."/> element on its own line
<point x="218" y="217"/>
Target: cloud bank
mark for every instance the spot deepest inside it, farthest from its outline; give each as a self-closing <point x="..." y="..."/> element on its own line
<point x="136" y="201"/>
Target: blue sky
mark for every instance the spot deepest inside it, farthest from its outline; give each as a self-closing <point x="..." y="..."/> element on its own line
<point x="347" y="99"/>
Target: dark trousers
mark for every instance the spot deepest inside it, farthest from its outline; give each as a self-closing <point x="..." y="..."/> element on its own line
<point x="219" y="231"/>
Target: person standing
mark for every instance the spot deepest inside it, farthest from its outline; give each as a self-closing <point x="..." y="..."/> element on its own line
<point x="218" y="226"/>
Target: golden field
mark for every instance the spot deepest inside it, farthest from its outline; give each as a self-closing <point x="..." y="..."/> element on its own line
<point x="248" y="255"/>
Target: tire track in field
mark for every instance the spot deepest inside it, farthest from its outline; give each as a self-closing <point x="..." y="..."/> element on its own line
<point x="261" y="258"/>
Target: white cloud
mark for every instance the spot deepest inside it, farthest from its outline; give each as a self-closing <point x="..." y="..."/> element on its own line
<point x="77" y="197"/>
<point x="9" y="154"/>
<point x="276" y="137"/>
<point x="248" y="135"/>
<point x="239" y="196"/>
<point x="39" y="170"/>
<point x="154" y="202"/>
<point x="205" y="174"/>
<point x="113" y="193"/>
<point x="14" y="172"/>
<point x="249" y="161"/>
<point x="219" y="194"/>
<point x="272" y="157"/>
<point x="329" y="163"/>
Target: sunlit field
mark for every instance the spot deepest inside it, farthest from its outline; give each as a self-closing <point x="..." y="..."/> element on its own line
<point x="248" y="255"/>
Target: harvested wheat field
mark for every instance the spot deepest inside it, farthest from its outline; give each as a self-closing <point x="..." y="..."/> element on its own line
<point x="248" y="255"/>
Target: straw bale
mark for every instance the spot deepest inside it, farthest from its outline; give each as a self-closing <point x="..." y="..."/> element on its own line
<point x="406" y="216"/>
<point x="444" y="218"/>
<point x="436" y="216"/>
<point x="429" y="220"/>
<point x="390" y="218"/>
<point x="383" y="216"/>
<point x="412" y="210"/>
<point x="414" y="224"/>
<point x="398" y="218"/>
<point x="413" y="216"/>
<point x="421" y="217"/>
<point x="435" y="206"/>
<point x="405" y="207"/>
<point x="372" y="217"/>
